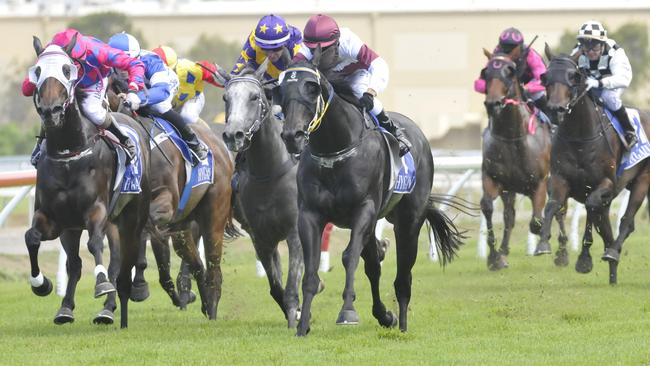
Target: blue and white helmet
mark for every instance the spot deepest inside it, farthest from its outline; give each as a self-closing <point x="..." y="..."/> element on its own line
<point x="125" y="42"/>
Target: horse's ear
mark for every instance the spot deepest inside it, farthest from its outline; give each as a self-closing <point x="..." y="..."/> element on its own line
<point x="548" y="52"/>
<point x="487" y="53"/>
<point x="68" y="49"/>
<point x="38" y="46"/>
<point x="259" y="73"/>
<point x="224" y="75"/>
<point x="317" y="53"/>
<point x="285" y="57"/>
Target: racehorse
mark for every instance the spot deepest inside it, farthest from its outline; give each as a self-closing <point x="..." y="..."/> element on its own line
<point x="172" y="214"/>
<point x="74" y="184"/>
<point x="516" y="154"/>
<point x="586" y="164"/>
<point x="267" y="192"/>
<point x="344" y="175"/>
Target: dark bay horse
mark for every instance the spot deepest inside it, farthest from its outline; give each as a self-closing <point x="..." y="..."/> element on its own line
<point x="267" y="192"/>
<point x="585" y="158"/>
<point x="74" y="184"/>
<point x="515" y="160"/>
<point x="208" y="205"/>
<point x="343" y="177"/>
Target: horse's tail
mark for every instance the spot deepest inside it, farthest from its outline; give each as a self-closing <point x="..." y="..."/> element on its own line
<point x="447" y="237"/>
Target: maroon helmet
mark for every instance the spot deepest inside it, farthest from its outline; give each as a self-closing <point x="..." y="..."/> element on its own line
<point x="321" y="30"/>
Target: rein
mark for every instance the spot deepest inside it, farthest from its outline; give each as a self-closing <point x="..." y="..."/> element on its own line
<point x="321" y="105"/>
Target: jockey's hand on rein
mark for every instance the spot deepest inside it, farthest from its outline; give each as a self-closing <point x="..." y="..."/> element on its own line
<point x="130" y="100"/>
<point x="367" y="101"/>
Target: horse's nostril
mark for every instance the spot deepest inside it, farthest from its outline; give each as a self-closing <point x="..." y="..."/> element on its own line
<point x="300" y="134"/>
<point x="239" y="135"/>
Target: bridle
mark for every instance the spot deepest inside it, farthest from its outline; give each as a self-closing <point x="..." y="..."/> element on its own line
<point x="321" y="105"/>
<point x="262" y="111"/>
<point x="573" y="87"/>
<point x="502" y="63"/>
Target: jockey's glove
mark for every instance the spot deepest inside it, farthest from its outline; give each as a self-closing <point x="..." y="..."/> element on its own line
<point x="592" y="83"/>
<point x="133" y="101"/>
<point x="367" y="101"/>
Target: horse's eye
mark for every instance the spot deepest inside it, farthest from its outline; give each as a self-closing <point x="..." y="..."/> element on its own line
<point x="66" y="71"/>
<point x="543" y="79"/>
<point x="311" y="89"/>
<point x="255" y="97"/>
<point x="37" y="72"/>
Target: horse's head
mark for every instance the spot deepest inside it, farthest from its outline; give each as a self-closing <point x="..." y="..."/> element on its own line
<point x="564" y="82"/>
<point x="301" y="90"/>
<point x="55" y="75"/>
<point x="502" y="85"/>
<point x="246" y="106"/>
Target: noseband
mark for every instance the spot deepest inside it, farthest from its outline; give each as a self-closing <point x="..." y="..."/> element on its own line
<point x="263" y="110"/>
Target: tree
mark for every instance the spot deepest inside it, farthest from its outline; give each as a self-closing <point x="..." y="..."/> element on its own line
<point x="225" y="54"/>
<point x="103" y="25"/>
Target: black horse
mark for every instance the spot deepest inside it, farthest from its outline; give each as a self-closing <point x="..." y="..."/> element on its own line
<point x="585" y="158"/>
<point x="267" y="192"/>
<point x="74" y="184"/>
<point x="343" y="177"/>
<point x="516" y="156"/>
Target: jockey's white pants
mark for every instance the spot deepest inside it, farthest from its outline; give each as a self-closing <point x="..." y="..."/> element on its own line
<point x="359" y="82"/>
<point x="191" y="109"/>
<point x="611" y="97"/>
<point x="93" y="106"/>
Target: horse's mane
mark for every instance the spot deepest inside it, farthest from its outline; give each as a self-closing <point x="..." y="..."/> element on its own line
<point x="338" y="82"/>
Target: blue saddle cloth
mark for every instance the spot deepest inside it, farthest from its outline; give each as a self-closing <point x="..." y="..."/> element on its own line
<point x="405" y="177"/>
<point x="202" y="173"/>
<point x="133" y="173"/>
<point x="641" y="149"/>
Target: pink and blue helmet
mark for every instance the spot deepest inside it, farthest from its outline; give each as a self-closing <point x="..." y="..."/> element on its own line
<point x="125" y="42"/>
<point x="271" y="32"/>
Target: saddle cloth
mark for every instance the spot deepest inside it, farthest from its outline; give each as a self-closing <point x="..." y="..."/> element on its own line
<point x="641" y="149"/>
<point x="200" y="174"/>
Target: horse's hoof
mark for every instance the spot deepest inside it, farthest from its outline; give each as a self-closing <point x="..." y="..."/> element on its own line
<point x="292" y="318"/>
<point x="191" y="298"/>
<point x="542" y="248"/>
<point x="347" y="317"/>
<point x="139" y="291"/>
<point x="611" y="255"/>
<point x="561" y="259"/>
<point x="391" y="320"/>
<point x="497" y="263"/>
<point x="104" y="317"/>
<point x="44" y="289"/>
<point x="321" y="287"/>
<point x="64" y="316"/>
<point x="584" y="264"/>
<point x="103" y="288"/>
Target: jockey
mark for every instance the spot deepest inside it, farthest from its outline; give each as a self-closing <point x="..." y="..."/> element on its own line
<point x="190" y="99"/>
<point x="269" y="38"/>
<point x="344" y="53"/>
<point x="511" y="42"/>
<point x="162" y="85"/>
<point x="95" y="60"/>
<point x="609" y="70"/>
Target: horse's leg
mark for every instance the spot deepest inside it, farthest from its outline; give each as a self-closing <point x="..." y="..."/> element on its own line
<point x="562" y="254"/>
<point x="508" y="199"/>
<point x="184" y="277"/>
<point x="372" y="254"/>
<point x="291" y="297"/>
<point x="96" y="224"/>
<point x="186" y="249"/>
<point x="559" y="193"/>
<point x="267" y="253"/>
<point x="130" y="227"/>
<point x="637" y="195"/>
<point x="310" y="228"/>
<point x="106" y="315"/>
<point x="70" y="242"/>
<point x="42" y="229"/>
<point x="362" y="230"/>
<point x="491" y="190"/>
<point x="584" y="263"/>
<point x="161" y="252"/>
<point x="140" y="288"/>
<point x="598" y="205"/>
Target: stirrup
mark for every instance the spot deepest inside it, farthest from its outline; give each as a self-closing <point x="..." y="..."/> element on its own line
<point x="200" y="151"/>
<point x="630" y="140"/>
<point x="130" y="150"/>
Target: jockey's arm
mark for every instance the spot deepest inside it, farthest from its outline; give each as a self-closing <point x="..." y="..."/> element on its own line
<point x="537" y="68"/>
<point x="120" y="60"/>
<point x="621" y="71"/>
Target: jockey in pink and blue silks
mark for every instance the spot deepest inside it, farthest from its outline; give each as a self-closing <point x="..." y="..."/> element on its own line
<point x="511" y="41"/>
<point x="95" y="60"/>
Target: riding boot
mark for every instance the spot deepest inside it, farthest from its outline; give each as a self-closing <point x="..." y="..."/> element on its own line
<point x="387" y="123"/>
<point x="187" y="134"/>
<point x="628" y="129"/>
<point x="36" y="153"/>
<point x="125" y="140"/>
